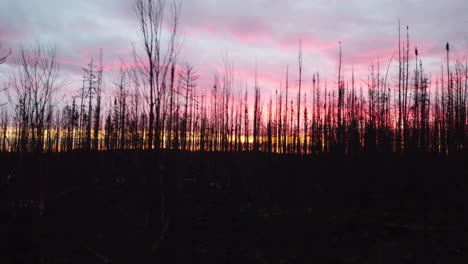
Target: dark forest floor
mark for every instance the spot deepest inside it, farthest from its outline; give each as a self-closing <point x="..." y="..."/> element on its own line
<point x="233" y="208"/>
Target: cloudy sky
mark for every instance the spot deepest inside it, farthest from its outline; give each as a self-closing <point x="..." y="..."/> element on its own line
<point x="262" y="32"/>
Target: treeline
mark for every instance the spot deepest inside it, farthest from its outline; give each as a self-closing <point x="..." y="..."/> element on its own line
<point x="157" y="104"/>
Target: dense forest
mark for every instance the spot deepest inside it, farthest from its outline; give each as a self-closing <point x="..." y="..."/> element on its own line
<point x="156" y="103"/>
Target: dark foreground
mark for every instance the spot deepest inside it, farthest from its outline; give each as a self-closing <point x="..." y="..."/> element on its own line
<point x="232" y="208"/>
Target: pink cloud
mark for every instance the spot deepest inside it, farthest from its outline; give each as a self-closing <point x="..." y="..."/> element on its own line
<point x="382" y="55"/>
<point x="438" y="50"/>
<point x="290" y="42"/>
<point x="124" y="65"/>
<point x="8" y="35"/>
<point x="243" y="32"/>
<point x="254" y="32"/>
<point x="251" y="32"/>
<point x="266" y="79"/>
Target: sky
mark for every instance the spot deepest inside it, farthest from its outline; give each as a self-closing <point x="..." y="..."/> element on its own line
<point x="262" y="34"/>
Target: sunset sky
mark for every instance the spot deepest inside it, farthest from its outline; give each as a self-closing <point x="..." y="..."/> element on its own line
<point x="250" y="32"/>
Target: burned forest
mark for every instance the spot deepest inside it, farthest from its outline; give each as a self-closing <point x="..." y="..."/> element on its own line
<point x="155" y="159"/>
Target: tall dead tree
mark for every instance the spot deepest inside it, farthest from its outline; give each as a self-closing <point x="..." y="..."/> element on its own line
<point x="97" y="109"/>
<point x="171" y="116"/>
<point x="297" y="143"/>
<point x="340" y="125"/>
<point x="285" y="122"/>
<point x="269" y="128"/>
<point x="246" y="121"/>
<point x="122" y="93"/>
<point x="400" y="84"/>
<point x="450" y="117"/>
<point x="90" y="80"/>
<point x="158" y="59"/>
<point x="257" y="116"/>
<point x="187" y="81"/>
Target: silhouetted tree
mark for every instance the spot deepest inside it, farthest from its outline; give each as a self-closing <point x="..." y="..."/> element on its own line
<point x="257" y="116"/>
<point x="158" y="61"/>
<point x="187" y="81"/>
<point x="3" y="57"/>
<point x="33" y="84"/>
<point x="297" y="142"/>
<point x="121" y="105"/>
